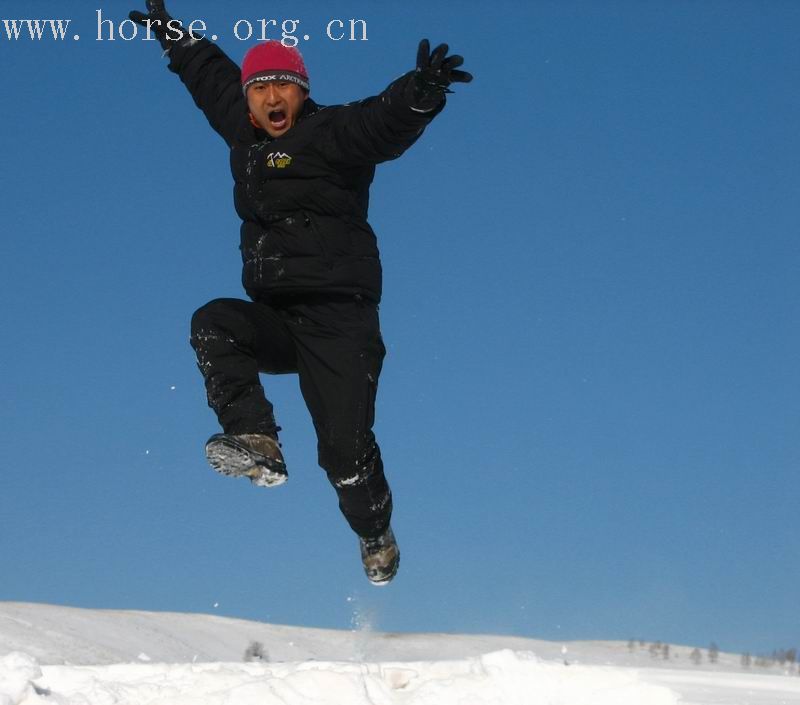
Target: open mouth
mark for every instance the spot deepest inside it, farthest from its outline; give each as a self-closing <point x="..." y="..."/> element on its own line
<point x="277" y="119"/>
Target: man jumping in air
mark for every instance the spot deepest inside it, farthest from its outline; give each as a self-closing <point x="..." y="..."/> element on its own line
<point x="312" y="271"/>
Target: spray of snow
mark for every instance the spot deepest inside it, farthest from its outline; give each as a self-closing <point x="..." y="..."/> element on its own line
<point x="363" y="622"/>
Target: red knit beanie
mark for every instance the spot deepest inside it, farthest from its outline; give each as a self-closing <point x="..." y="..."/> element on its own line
<point x="272" y="61"/>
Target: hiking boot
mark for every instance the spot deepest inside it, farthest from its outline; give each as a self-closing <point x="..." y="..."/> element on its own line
<point x="252" y="455"/>
<point x="381" y="557"/>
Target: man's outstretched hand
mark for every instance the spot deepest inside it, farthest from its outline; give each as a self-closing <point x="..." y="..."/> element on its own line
<point x="436" y="68"/>
<point x="434" y="73"/>
<point x="158" y="18"/>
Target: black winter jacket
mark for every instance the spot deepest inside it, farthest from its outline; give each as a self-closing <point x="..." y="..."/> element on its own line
<point x="303" y="196"/>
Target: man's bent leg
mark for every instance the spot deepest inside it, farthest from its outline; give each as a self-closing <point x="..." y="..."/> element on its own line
<point x="235" y="340"/>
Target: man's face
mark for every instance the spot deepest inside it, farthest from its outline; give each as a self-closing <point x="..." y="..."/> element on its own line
<point x="275" y="105"/>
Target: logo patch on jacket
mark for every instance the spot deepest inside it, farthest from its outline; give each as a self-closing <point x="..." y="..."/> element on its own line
<point x="278" y="160"/>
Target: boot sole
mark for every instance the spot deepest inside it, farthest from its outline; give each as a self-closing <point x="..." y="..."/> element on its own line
<point x="386" y="579"/>
<point x="233" y="460"/>
<point x="376" y="574"/>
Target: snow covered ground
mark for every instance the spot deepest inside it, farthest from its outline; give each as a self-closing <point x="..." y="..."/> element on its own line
<point x="65" y="656"/>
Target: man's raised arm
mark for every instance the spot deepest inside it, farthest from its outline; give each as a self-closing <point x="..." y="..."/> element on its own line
<point x="383" y="127"/>
<point x="213" y="80"/>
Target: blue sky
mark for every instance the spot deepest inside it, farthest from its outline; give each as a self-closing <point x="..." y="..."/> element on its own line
<point x="588" y="410"/>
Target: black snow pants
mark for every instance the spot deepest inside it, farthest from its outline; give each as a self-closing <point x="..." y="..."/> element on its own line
<point x="334" y="345"/>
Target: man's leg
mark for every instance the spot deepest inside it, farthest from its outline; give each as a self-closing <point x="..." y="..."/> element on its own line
<point x="235" y="340"/>
<point x="339" y="357"/>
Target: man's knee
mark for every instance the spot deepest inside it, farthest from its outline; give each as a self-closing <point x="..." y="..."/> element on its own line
<point x="212" y="316"/>
<point x="351" y="466"/>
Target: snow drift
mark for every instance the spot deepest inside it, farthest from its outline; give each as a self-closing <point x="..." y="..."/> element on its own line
<point x="503" y="677"/>
<point x="65" y="656"/>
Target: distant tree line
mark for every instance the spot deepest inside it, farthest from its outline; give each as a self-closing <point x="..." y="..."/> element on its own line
<point x="780" y="657"/>
<point x="659" y="650"/>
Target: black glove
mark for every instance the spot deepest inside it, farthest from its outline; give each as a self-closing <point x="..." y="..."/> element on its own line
<point x="158" y="17"/>
<point x="434" y="74"/>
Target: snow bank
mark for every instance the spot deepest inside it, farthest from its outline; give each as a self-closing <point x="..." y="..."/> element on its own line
<point x="503" y="677"/>
<point x="17" y="673"/>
